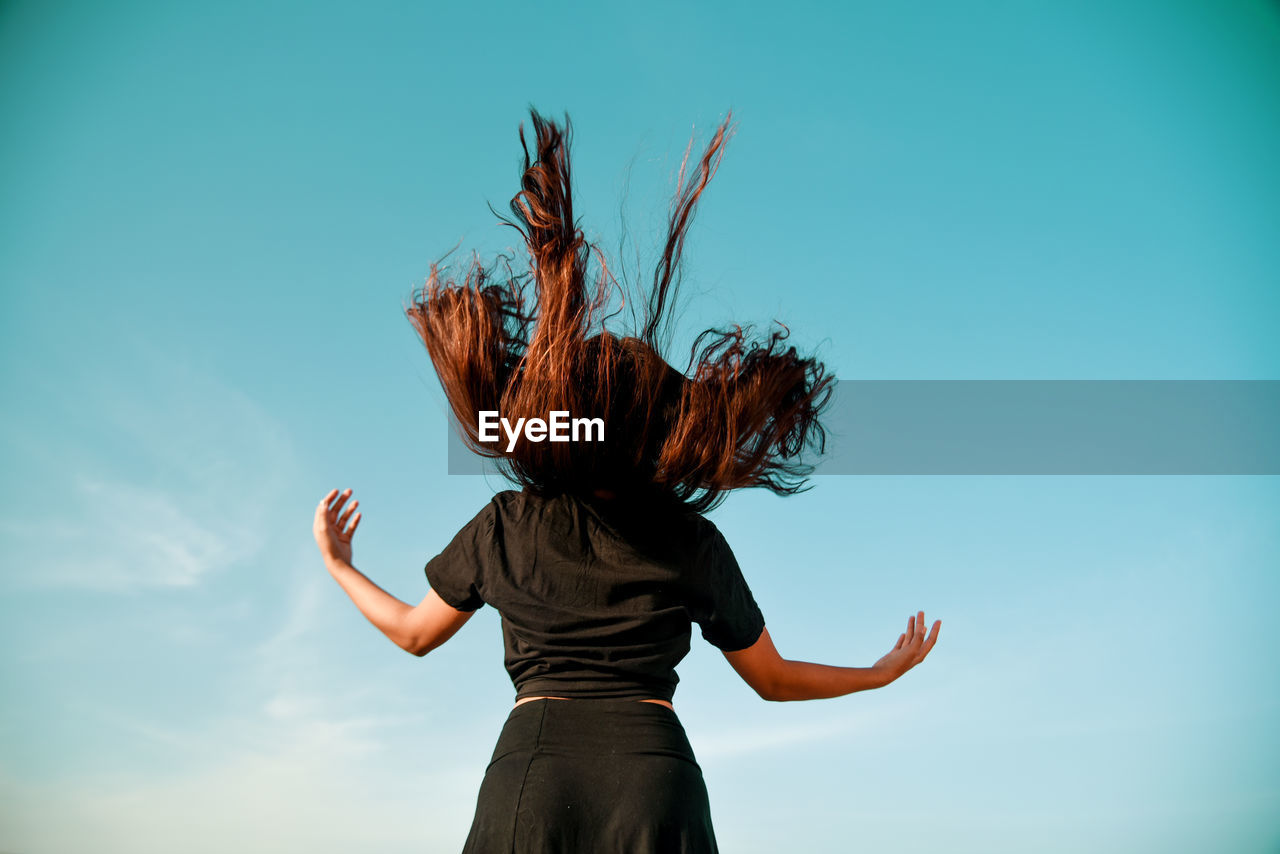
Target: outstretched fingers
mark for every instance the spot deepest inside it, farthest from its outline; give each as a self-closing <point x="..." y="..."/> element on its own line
<point x="346" y="515"/>
<point x="340" y="516"/>
<point x="332" y="514"/>
<point x="334" y="506"/>
<point x="915" y="630"/>
<point x="928" y="644"/>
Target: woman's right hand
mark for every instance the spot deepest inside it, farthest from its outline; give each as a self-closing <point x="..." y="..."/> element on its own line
<point x="910" y="650"/>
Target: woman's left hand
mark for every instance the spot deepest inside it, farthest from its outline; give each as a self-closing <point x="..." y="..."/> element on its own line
<point x="332" y="534"/>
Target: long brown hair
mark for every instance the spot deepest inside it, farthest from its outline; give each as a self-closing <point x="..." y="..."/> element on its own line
<point x="742" y="414"/>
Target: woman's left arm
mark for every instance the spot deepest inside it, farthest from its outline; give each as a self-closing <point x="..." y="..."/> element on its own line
<point x="415" y="629"/>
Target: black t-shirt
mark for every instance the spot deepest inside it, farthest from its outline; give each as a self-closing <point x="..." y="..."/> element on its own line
<point x="597" y="598"/>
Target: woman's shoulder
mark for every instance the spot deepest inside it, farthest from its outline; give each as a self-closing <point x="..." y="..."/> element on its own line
<point x="523" y="508"/>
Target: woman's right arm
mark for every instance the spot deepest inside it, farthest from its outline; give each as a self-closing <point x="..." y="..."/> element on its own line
<point x="776" y="678"/>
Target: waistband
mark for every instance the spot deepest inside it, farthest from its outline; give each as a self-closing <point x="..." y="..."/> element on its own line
<point x="612" y="690"/>
<point x="595" y="712"/>
<point x="594" y="728"/>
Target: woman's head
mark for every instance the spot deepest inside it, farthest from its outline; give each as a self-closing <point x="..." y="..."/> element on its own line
<point x="741" y="414"/>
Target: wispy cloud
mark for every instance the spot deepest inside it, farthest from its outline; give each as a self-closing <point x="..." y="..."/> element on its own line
<point x="118" y="535"/>
<point x="727" y="742"/>
<point x="294" y="763"/>
<point x="165" y="475"/>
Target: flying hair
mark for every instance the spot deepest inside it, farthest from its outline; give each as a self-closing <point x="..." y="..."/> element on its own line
<point x="743" y="413"/>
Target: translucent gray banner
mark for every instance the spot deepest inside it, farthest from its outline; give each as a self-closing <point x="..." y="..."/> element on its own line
<point x="1127" y="427"/>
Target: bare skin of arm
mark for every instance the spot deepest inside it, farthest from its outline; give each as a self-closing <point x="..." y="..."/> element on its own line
<point x="416" y="629"/>
<point x="776" y="678"/>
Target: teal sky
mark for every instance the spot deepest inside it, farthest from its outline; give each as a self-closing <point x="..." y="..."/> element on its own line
<point x="212" y="215"/>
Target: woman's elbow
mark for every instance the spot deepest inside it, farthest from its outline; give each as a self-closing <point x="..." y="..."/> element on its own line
<point x="421" y="647"/>
<point x="770" y="691"/>
<point x="414" y="646"/>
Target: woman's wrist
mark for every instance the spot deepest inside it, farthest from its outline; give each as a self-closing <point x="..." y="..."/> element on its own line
<point x="884" y="675"/>
<point x="335" y="564"/>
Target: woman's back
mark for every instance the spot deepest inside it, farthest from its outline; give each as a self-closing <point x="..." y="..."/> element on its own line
<point x="597" y="597"/>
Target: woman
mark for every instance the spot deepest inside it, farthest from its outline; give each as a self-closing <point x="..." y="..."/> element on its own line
<point x="603" y="560"/>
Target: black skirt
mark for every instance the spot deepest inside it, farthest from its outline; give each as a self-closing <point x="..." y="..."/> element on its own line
<point x="592" y="776"/>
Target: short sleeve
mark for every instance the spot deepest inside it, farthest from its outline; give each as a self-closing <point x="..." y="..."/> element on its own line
<point x="455" y="574"/>
<point x="732" y="620"/>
